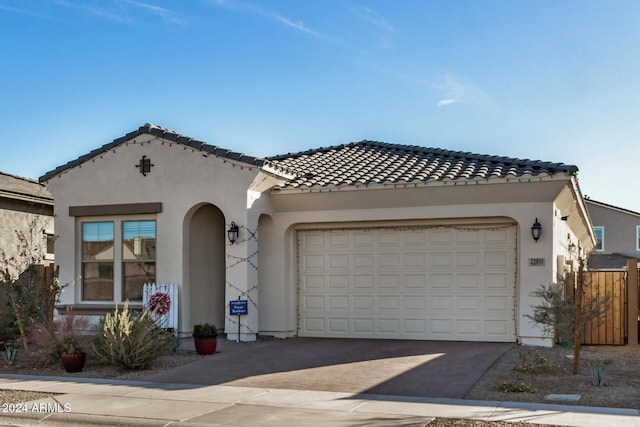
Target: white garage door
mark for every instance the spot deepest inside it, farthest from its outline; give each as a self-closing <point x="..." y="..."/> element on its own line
<point x="433" y="283"/>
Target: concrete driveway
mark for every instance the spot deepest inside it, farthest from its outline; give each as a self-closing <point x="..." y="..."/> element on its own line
<point x="388" y="367"/>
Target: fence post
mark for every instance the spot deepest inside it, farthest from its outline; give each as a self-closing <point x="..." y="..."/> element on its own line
<point x="632" y="301"/>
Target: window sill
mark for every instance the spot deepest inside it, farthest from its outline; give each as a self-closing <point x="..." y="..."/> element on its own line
<point x="93" y="309"/>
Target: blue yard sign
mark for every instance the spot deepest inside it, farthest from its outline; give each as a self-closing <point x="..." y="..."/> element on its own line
<point x="238" y="307"/>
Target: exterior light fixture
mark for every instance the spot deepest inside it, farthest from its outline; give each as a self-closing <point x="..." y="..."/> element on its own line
<point x="232" y="232"/>
<point x="536" y="228"/>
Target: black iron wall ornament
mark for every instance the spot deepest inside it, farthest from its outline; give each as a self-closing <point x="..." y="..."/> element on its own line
<point x="145" y="165"/>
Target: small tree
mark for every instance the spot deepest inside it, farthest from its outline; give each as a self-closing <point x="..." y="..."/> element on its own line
<point x="22" y="278"/>
<point x="556" y="314"/>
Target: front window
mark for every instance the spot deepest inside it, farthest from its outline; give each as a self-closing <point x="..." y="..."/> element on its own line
<point x="599" y="232"/>
<point x="138" y="257"/>
<point x="637" y="237"/>
<point x="97" y="261"/>
<point x="118" y="258"/>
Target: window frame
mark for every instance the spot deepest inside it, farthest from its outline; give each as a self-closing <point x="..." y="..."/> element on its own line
<point x="638" y="238"/>
<point x="124" y="261"/>
<point x="595" y="229"/>
<point x="118" y="221"/>
<point x="84" y="262"/>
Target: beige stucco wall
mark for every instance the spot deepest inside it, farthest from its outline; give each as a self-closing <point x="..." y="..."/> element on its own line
<point x="261" y="266"/>
<point x="183" y="180"/>
<point x="516" y="202"/>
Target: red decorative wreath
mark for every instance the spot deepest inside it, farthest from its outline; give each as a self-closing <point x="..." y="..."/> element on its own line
<point x="159" y="303"/>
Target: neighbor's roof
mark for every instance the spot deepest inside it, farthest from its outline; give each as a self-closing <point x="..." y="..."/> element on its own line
<point x="15" y="187"/>
<point x="612" y="207"/>
<point x="364" y="162"/>
<point x="368" y="162"/>
<point x="607" y="261"/>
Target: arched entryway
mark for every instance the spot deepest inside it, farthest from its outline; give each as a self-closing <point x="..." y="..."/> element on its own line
<point x="205" y="266"/>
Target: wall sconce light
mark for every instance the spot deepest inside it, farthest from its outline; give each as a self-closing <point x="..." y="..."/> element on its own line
<point x="232" y="232"/>
<point x="536" y="229"/>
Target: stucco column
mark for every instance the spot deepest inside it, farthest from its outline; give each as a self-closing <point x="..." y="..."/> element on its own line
<point x="242" y="284"/>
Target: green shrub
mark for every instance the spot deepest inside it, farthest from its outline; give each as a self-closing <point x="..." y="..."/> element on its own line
<point x="131" y="341"/>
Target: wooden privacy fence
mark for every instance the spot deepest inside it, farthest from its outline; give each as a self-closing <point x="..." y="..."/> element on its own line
<point x="611" y="287"/>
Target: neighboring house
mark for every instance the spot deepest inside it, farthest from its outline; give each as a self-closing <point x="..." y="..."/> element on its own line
<point x="25" y="206"/>
<point x="361" y="240"/>
<point x="617" y="233"/>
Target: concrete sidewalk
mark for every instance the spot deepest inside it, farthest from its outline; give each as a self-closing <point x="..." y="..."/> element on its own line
<point x="135" y="403"/>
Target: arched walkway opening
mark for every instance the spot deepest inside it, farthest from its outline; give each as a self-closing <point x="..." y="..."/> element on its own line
<point x="205" y="266"/>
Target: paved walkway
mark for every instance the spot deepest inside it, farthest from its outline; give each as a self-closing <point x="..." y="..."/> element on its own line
<point x="390" y="367"/>
<point x="109" y="402"/>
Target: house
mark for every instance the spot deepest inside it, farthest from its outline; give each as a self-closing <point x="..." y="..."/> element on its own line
<point x="361" y="240"/>
<point x="26" y="206"/>
<point x="617" y="233"/>
<point x="26" y="223"/>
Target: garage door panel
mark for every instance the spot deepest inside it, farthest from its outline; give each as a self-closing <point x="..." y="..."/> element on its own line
<point x="363" y="302"/>
<point x="442" y="260"/>
<point x="415" y="281"/>
<point x="408" y="283"/>
<point x="364" y="281"/>
<point x="415" y="302"/>
<point x="338" y="281"/>
<point x="338" y="325"/>
<point x="389" y="281"/>
<point x="339" y="240"/>
<point x="389" y="326"/>
<point x="363" y="326"/>
<point x="442" y="282"/>
<point x="468" y="259"/>
<point x="498" y="282"/>
<point x="414" y="239"/>
<point x="313" y="262"/>
<point x="339" y="262"/>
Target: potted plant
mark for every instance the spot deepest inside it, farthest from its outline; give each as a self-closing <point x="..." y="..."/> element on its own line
<point x="205" y="338"/>
<point x="71" y="354"/>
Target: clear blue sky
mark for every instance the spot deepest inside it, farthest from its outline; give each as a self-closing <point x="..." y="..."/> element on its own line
<point x="549" y="80"/>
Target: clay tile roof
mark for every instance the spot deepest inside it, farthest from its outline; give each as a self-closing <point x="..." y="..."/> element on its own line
<point x="165" y="134"/>
<point x="367" y="162"/>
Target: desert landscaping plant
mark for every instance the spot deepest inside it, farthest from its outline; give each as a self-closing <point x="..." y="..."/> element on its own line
<point x="9" y="354"/>
<point x="130" y="340"/>
<point x="62" y="336"/>
<point x="556" y="314"/>
<point x="509" y="387"/>
<point x="533" y="362"/>
<point x="598" y="374"/>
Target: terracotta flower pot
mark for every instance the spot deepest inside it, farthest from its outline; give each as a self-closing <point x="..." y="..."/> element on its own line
<point x="205" y="345"/>
<point x="73" y="362"/>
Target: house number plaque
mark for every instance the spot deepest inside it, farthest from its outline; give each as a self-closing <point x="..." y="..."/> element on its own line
<point x="536" y="262"/>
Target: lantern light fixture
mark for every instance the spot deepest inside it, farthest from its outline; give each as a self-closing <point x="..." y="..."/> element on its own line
<point x="536" y="229"/>
<point x="232" y="232"/>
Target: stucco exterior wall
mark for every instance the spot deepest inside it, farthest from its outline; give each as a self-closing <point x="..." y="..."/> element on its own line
<point x="619" y="229"/>
<point x="182" y="180"/>
<point x="398" y="207"/>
